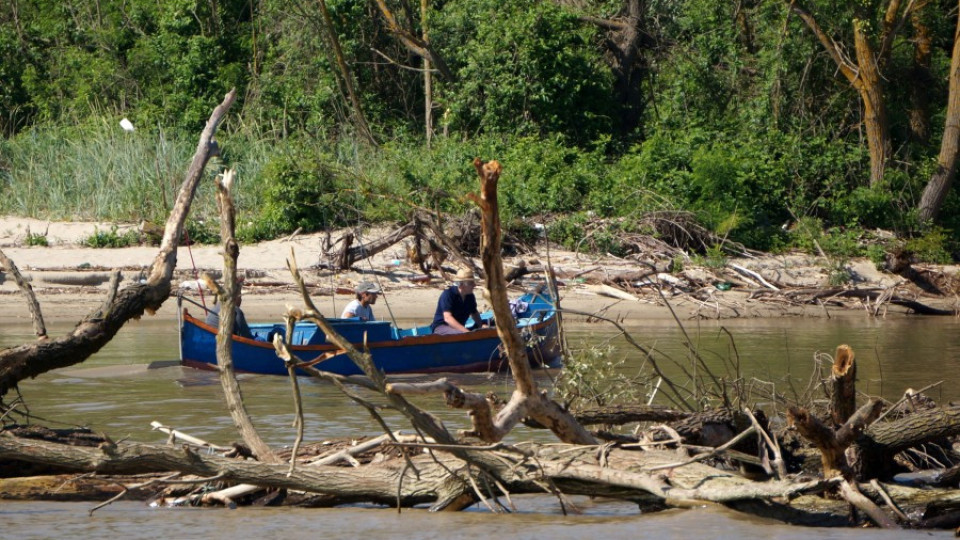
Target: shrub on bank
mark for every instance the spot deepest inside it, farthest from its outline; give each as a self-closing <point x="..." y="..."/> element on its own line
<point x="745" y="190"/>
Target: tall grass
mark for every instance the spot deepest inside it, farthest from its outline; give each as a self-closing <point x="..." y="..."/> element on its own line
<point x="94" y="171"/>
<point x="97" y="171"/>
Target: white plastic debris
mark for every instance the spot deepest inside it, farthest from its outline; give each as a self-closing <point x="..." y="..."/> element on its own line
<point x="192" y="285"/>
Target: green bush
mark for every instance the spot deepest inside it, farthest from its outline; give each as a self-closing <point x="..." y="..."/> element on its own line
<point x="203" y="231"/>
<point x="934" y="246"/>
<point x="568" y="230"/>
<point x="842" y="243"/>
<point x="112" y="238"/>
<point x="546" y="176"/>
<point x="877" y="254"/>
<point x="302" y="191"/>
<point x="595" y="376"/>
<point x="36" y="239"/>
<point x="523" y="67"/>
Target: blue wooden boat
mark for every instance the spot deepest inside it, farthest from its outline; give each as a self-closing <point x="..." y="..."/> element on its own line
<point x="394" y="350"/>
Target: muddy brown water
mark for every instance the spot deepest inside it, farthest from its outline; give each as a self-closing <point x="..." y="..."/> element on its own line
<point x="119" y="393"/>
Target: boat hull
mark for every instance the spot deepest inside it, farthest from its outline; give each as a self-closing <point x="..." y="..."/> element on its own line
<point x="474" y="351"/>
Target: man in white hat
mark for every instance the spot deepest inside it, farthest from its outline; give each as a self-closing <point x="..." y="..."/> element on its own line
<point x="457" y="304"/>
<point x="360" y="308"/>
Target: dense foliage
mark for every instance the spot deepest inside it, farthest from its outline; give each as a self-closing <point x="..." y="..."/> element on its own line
<point x="731" y="110"/>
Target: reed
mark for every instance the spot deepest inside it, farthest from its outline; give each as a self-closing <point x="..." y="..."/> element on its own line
<point x="94" y="171"/>
<point x="97" y="171"/>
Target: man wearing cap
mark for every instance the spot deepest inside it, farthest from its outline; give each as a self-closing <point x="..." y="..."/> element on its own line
<point x="360" y="308"/>
<point x="456" y="305"/>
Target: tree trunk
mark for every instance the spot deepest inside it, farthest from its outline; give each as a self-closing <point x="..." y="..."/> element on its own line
<point x="526" y="401"/>
<point x="228" y="315"/>
<point x="346" y="75"/>
<point x="921" y="80"/>
<point x="833" y="443"/>
<point x="625" y="36"/>
<point x="629" y="69"/>
<point x="939" y="184"/>
<point x="870" y="86"/>
<point x="865" y="77"/>
<point x="882" y="440"/>
<point x="427" y="79"/>
<point x="843" y="377"/>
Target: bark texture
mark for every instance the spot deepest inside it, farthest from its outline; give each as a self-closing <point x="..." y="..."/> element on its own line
<point x="865" y="74"/>
<point x="228" y="301"/>
<point x="526" y="400"/>
<point x="941" y="181"/>
<point x="843" y="377"/>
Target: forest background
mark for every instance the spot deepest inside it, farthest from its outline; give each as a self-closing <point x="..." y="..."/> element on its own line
<point x="777" y="124"/>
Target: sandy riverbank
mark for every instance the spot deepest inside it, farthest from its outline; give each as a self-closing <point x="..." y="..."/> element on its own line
<point x="64" y="277"/>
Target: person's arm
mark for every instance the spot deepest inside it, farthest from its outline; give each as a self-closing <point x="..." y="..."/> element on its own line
<point x="350" y="311"/>
<point x="452" y="322"/>
<point x="240" y="326"/>
<point x="471" y="302"/>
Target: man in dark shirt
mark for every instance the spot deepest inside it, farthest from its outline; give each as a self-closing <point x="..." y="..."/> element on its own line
<point x="456" y="305"/>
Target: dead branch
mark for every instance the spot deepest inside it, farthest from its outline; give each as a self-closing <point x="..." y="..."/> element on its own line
<point x="38" y="327"/>
<point x="526" y="401"/>
<point x="843" y="390"/>
<point x="228" y="314"/>
<point x="423" y="421"/>
<point x="832" y="444"/>
<point x="852" y="495"/>
<point x="521" y="269"/>
<point x="348" y="254"/>
<point x="452" y="250"/>
<point x="478" y="406"/>
<point x="98" y="328"/>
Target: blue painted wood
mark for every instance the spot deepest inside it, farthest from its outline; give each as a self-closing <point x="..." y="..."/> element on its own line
<point x="394" y="350"/>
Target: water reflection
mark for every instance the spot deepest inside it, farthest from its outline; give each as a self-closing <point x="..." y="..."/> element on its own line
<point x="599" y="519"/>
<point x="892" y="355"/>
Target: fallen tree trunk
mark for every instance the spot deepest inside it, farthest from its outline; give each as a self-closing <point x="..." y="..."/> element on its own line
<point x="618" y="415"/>
<point x="881" y="441"/>
<point x="875" y="295"/>
<point x="427" y="477"/>
<point x="72" y="487"/>
<point x="98" y="328"/>
<point x="438" y="476"/>
<point x="349" y="254"/>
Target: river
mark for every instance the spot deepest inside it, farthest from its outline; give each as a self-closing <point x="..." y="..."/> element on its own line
<point x="131" y="383"/>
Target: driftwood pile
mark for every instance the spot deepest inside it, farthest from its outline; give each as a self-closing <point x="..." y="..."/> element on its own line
<point x="825" y="462"/>
<point x="656" y="275"/>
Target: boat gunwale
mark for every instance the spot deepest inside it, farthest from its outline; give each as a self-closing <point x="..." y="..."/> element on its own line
<point x="406" y="341"/>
